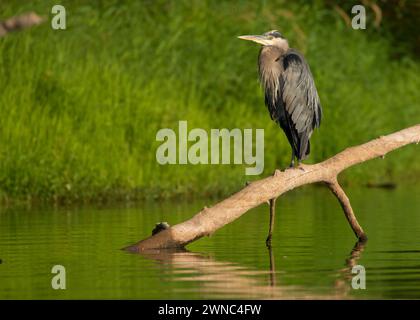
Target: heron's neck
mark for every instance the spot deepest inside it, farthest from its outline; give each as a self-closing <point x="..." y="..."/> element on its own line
<point x="270" y="68"/>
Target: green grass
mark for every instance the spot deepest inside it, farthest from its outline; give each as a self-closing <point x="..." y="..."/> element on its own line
<point x="80" y="108"/>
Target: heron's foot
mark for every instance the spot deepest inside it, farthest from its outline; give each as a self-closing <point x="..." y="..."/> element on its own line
<point x="301" y="166"/>
<point x="268" y="241"/>
<point x="291" y="166"/>
<point x="276" y="172"/>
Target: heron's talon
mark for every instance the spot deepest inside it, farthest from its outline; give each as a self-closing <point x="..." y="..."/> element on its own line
<point x="291" y="166"/>
<point x="301" y="166"/>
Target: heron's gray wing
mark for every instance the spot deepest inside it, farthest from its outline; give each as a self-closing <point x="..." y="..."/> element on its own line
<point x="299" y="94"/>
<point x="300" y="100"/>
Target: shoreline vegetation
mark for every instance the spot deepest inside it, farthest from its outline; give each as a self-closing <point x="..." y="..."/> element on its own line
<point x="133" y="198"/>
<point x="80" y="108"/>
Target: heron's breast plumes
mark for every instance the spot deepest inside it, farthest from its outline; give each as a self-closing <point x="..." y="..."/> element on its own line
<point x="270" y="69"/>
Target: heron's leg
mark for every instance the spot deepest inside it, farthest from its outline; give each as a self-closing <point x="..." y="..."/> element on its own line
<point x="272" y="214"/>
<point x="292" y="161"/>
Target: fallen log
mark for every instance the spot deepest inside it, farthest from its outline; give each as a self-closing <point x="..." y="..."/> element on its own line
<point x="208" y="220"/>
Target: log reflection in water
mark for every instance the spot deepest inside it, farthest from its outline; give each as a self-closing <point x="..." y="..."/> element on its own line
<point x="223" y="279"/>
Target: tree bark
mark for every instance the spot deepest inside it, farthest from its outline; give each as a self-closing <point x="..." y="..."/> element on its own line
<point x="208" y="220"/>
<point x="348" y="210"/>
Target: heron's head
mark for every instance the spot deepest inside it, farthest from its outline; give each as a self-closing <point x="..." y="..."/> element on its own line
<point x="270" y="38"/>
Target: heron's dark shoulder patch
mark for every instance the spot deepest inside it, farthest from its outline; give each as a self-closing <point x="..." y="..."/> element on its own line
<point x="292" y="57"/>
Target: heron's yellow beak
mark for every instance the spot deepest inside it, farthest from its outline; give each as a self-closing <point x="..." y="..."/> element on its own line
<point x="257" y="38"/>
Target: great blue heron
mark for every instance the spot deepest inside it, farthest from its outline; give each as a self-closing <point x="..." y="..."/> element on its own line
<point x="290" y="92"/>
<point x="290" y="95"/>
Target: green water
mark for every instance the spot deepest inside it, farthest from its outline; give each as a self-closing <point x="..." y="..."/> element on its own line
<point x="312" y="251"/>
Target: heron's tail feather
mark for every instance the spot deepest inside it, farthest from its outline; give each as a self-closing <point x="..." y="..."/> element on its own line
<point x="304" y="148"/>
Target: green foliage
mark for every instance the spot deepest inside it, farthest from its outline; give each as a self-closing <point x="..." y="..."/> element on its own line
<point x="80" y="108"/>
